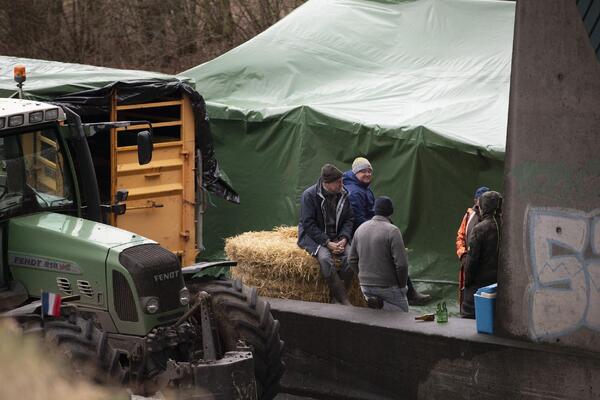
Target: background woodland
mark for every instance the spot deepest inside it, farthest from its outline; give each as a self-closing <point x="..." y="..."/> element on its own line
<point x="167" y="36"/>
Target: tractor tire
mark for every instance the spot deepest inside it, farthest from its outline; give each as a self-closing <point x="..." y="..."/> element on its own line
<point x="86" y="348"/>
<point x="240" y="314"/>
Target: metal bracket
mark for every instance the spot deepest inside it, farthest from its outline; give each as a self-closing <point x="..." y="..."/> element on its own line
<point x="208" y="342"/>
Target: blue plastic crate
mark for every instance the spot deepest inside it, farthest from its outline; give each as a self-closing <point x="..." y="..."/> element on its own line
<point x="485" y="305"/>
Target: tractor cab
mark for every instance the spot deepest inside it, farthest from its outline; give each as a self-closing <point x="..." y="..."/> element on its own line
<point x="35" y="172"/>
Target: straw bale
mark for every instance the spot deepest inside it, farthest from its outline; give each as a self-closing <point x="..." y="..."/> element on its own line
<point x="288" y="231"/>
<point x="272" y="262"/>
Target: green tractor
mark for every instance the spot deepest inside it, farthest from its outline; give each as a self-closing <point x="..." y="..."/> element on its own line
<point x="126" y="308"/>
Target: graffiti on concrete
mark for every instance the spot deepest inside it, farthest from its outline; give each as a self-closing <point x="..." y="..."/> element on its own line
<point x="564" y="253"/>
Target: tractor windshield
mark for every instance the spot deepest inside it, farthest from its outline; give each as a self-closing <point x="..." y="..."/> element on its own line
<point x="33" y="177"/>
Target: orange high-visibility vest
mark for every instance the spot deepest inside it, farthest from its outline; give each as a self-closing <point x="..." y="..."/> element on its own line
<point x="462" y="246"/>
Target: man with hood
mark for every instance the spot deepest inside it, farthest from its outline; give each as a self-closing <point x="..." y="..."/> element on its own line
<point x="379" y="259"/>
<point x="325" y="229"/>
<point x="471" y="218"/>
<point x="481" y="265"/>
<point x="358" y="184"/>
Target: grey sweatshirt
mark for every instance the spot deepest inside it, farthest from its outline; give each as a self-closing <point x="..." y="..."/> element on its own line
<point x="378" y="255"/>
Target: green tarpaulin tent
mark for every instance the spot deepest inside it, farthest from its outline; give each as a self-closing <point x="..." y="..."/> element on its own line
<point x="418" y="87"/>
<point x="49" y="79"/>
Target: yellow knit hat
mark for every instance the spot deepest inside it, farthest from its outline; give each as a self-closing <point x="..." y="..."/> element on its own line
<point x="360" y="163"/>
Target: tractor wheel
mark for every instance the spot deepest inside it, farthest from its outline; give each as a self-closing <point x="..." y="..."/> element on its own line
<point x="241" y="315"/>
<point x="86" y="347"/>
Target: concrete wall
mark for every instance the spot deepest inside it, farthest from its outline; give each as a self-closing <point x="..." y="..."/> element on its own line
<point x="350" y="353"/>
<point x="550" y="267"/>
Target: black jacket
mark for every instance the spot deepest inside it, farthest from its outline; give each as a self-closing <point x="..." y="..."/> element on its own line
<point x="311" y="229"/>
<point x="481" y="267"/>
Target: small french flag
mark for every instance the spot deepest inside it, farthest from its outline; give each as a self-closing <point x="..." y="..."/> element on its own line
<point x="51" y="304"/>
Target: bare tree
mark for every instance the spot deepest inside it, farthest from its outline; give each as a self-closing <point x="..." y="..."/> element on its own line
<point x="167" y="36"/>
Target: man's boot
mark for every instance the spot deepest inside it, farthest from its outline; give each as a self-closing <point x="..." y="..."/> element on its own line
<point x="348" y="279"/>
<point x="415" y="298"/>
<point x="337" y="290"/>
<point x="332" y="299"/>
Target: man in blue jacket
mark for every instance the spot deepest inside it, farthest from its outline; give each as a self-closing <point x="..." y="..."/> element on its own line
<point x="358" y="184"/>
<point x="325" y="229"/>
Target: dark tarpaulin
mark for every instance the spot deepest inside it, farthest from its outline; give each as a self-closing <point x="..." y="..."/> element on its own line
<point x="94" y="105"/>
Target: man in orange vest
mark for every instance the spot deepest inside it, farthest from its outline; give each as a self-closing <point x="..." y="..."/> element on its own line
<point x="471" y="218"/>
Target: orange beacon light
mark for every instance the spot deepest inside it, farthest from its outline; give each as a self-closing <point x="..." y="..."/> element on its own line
<point x="19" y="73"/>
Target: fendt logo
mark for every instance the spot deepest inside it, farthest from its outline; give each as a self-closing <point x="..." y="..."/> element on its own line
<point x="30" y="261"/>
<point x="166" y="276"/>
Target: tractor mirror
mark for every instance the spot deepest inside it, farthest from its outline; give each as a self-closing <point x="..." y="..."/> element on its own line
<point x="145" y="147"/>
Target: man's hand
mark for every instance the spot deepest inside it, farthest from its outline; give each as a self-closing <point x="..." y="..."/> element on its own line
<point x="332" y="246"/>
<point x="338" y="247"/>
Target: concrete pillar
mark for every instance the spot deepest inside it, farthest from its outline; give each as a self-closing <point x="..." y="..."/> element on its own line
<point x="549" y="278"/>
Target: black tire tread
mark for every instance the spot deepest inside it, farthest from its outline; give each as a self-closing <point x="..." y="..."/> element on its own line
<point x="83" y="344"/>
<point x="238" y="308"/>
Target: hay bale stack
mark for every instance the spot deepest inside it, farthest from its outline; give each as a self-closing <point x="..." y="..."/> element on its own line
<point x="272" y="262"/>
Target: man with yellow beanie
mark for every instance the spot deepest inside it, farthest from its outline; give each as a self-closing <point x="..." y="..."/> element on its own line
<point x="358" y="184"/>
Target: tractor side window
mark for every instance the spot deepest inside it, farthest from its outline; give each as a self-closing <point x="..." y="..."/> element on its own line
<point x="32" y="174"/>
<point x="45" y="168"/>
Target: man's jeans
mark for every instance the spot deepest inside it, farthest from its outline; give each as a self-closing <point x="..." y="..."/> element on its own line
<point x="327" y="264"/>
<point x="394" y="297"/>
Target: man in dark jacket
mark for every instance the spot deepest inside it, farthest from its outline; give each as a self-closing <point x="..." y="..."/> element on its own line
<point x="481" y="266"/>
<point x="358" y="184"/>
<point x="379" y="258"/>
<point x="325" y="229"/>
<point x="471" y="218"/>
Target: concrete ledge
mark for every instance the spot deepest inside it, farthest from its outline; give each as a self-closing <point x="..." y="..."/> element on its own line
<point x="337" y="352"/>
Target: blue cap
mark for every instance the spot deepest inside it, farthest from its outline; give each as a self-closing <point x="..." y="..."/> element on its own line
<point x="481" y="191"/>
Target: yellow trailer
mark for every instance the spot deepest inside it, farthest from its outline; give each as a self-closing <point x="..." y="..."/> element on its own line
<point x="161" y="202"/>
<point x="166" y="196"/>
